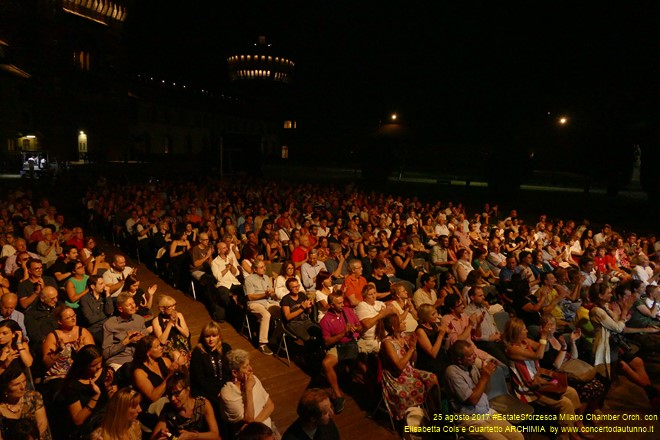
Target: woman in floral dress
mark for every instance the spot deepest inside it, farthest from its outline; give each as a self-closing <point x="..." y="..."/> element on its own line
<point x="404" y="385"/>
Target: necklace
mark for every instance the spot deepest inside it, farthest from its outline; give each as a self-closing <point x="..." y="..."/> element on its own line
<point x="17" y="411"/>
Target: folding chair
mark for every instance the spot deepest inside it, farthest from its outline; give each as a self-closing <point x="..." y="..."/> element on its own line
<point x="283" y="345"/>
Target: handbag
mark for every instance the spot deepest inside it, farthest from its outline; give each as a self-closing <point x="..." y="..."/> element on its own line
<point x="553" y="383"/>
<point x="578" y="370"/>
<point x="622" y="347"/>
<point x="347" y="351"/>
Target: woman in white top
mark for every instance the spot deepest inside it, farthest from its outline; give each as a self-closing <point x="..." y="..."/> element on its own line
<point x="288" y="271"/>
<point x="237" y="408"/>
<point x="323" y="290"/>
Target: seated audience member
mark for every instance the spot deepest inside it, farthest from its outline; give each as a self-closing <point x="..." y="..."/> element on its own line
<point x="324" y="289"/>
<point x="60" y="346"/>
<point x="340" y="325"/>
<point x="463" y="265"/>
<point x="121" y="417"/>
<point x="150" y="372"/>
<point x="244" y="398"/>
<point x="448" y="287"/>
<point x="49" y="247"/>
<point x="76" y="286"/>
<point x="184" y="414"/>
<point x="489" y="339"/>
<point x="310" y="269"/>
<point x="314" y="418"/>
<point x="460" y="326"/>
<point x="225" y="270"/>
<point x="646" y="309"/>
<point x="353" y="284"/>
<point x="497" y="260"/>
<point x="430" y="335"/>
<point x="607" y="321"/>
<point x="116" y="276"/>
<point x="557" y="354"/>
<point x="13" y="347"/>
<point x="467" y="385"/>
<point x="11" y="264"/>
<point x="261" y="301"/>
<point x="121" y="333"/>
<point x="524" y="355"/>
<point x="427" y="294"/>
<point x="208" y="364"/>
<point x="557" y="299"/>
<point x="39" y="319"/>
<point x="643" y="271"/>
<point x="299" y="254"/>
<point x="171" y="329"/>
<point x="527" y="306"/>
<point x="83" y="395"/>
<point x="30" y="289"/>
<point x="380" y="279"/>
<point x="404" y="386"/>
<point x="336" y="263"/>
<point x="96" y="307"/>
<point x="8" y="303"/>
<point x="296" y="313"/>
<point x="17" y="402"/>
<point x="403" y="263"/>
<point x="143" y="300"/>
<point x="288" y="271"/>
<point x="440" y="257"/>
<point x="403" y="306"/>
<point x="369" y="312"/>
<point x="62" y="268"/>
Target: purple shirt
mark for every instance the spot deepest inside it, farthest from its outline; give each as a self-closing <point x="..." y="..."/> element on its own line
<point x="334" y="323"/>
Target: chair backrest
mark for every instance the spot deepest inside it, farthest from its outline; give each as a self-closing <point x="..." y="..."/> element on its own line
<point x="501" y="318"/>
<point x="273" y="267"/>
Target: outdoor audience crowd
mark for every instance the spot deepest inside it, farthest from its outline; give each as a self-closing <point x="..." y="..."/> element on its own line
<point x="424" y="303"/>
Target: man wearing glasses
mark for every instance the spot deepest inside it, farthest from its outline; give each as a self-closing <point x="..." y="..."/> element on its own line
<point x="30" y="289"/>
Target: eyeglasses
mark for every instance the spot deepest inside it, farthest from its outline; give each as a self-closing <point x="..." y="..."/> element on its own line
<point x="170" y="306"/>
<point x="37" y="268"/>
<point x="174" y="393"/>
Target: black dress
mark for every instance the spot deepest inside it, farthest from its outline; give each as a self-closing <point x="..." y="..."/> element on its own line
<point x="424" y="361"/>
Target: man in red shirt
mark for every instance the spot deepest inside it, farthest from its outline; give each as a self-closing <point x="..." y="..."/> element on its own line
<point x="353" y="284"/>
<point x="299" y="254"/>
<point x="339" y="326"/>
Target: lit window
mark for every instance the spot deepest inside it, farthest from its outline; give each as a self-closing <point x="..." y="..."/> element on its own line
<point x="287" y="124"/>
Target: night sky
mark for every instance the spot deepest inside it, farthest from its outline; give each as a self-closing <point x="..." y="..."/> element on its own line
<point x="461" y="68"/>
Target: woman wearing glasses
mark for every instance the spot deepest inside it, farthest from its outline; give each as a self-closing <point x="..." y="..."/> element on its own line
<point x="76" y="286"/>
<point x="60" y="345"/>
<point x="185" y="416"/>
<point x="171" y="329"/>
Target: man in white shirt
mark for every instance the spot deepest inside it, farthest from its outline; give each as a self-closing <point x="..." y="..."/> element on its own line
<point x="310" y="269"/>
<point x="115" y="277"/>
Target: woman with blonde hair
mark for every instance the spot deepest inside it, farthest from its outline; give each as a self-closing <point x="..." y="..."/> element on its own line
<point x="171" y="329"/>
<point x="524" y="355"/>
<point x="120" y="421"/>
<point x="207" y="364"/>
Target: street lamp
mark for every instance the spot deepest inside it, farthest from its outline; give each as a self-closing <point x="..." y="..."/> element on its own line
<point x="563" y="120"/>
<point x="393" y="117"/>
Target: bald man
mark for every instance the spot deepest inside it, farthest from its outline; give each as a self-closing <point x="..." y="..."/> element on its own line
<point x="39" y="319"/>
<point x="8" y="303"/>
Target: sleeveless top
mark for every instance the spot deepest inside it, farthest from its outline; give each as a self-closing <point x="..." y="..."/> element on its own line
<point x="64" y="361"/>
<point x="424" y="360"/>
<point x="79" y="285"/>
<point x="154" y="378"/>
<point x="177" y="423"/>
